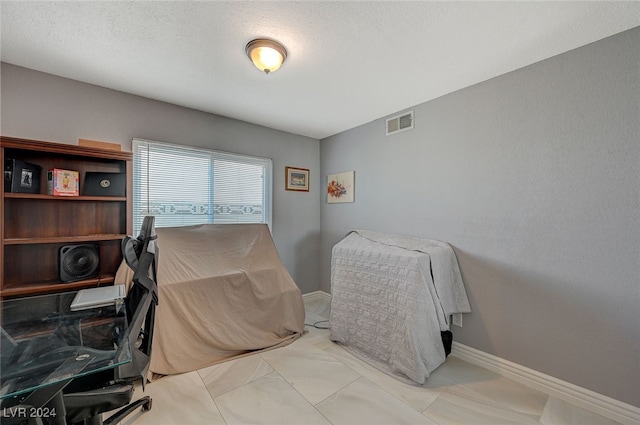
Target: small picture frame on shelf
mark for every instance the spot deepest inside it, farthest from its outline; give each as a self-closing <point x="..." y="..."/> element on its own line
<point x="21" y="177"/>
<point x="297" y="179"/>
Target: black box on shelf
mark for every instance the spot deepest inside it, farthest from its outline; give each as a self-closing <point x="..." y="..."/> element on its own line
<point x="104" y="184"/>
<point x="21" y="177"/>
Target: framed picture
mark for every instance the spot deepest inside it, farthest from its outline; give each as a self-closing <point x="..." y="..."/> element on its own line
<point x="297" y="179"/>
<point x="341" y="187"/>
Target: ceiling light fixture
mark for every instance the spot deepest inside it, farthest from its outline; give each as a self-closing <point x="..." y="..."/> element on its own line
<point x="266" y="55"/>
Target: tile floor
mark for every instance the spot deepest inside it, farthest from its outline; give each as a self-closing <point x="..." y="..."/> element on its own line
<point x="314" y="381"/>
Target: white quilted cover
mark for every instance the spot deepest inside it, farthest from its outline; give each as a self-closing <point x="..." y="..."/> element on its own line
<point x="385" y="305"/>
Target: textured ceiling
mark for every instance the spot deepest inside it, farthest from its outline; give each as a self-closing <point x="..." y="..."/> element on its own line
<point x="349" y="62"/>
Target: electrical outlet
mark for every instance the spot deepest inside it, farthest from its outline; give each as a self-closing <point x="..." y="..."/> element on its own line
<point x="457" y="319"/>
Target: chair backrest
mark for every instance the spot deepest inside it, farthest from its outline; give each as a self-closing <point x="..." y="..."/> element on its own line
<point x="141" y="255"/>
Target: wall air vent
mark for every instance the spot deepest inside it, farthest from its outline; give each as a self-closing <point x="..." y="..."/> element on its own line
<point x="400" y="123"/>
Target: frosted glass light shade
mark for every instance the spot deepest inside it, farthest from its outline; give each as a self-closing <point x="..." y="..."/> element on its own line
<point x="266" y="55"/>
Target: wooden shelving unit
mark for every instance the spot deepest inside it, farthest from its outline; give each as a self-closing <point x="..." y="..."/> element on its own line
<point x="35" y="226"/>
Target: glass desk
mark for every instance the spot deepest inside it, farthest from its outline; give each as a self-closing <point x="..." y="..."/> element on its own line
<point x="44" y="345"/>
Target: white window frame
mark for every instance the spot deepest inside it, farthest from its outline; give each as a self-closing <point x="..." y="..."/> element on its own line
<point x="140" y="193"/>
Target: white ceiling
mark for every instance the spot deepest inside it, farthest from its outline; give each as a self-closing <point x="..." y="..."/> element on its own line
<point x="349" y="62"/>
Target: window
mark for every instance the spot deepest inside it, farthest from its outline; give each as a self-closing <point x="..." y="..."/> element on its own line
<point x="183" y="186"/>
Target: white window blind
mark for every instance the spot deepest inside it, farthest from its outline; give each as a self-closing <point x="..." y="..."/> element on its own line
<point x="183" y="186"/>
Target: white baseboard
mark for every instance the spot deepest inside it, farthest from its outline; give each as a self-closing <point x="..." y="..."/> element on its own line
<point x="317" y="296"/>
<point x="589" y="400"/>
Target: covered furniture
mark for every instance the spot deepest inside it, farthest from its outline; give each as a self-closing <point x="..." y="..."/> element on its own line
<point x="391" y="297"/>
<point x="225" y="293"/>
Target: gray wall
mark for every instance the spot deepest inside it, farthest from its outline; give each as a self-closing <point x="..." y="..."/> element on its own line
<point x="534" y="178"/>
<point x="45" y="107"/>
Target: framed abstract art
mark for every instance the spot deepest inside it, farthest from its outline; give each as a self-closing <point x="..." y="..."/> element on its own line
<point x="341" y="187"/>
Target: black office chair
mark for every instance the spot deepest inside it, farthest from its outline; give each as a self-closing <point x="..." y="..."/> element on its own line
<point x="86" y="398"/>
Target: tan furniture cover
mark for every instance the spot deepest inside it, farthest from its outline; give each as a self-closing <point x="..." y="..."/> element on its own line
<point x="223" y="293"/>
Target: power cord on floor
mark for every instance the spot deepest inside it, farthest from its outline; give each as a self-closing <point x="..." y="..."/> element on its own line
<point x="315" y="325"/>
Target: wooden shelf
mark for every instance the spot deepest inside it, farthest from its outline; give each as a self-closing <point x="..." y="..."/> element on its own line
<point x="65" y="239"/>
<point x="49" y="149"/>
<point x="46" y="287"/>
<point x="64" y="198"/>
<point x="35" y="227"/>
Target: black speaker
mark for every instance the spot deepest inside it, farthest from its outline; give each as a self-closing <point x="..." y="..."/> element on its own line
<point x="79" y="262"/>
